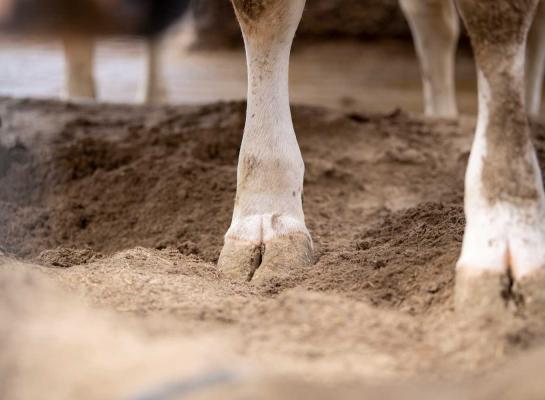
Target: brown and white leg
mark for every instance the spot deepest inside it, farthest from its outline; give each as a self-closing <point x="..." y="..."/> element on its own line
<point x="268" y="237"/>
<point x="153" y="89"/>
<point x="79" y="65"/>
<point x="435" y="28"/>
<point x="535" y="67"/>
<point x="504" y="197"/>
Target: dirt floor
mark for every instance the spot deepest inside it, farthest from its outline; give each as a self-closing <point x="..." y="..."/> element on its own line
<point x="111" y="221"/>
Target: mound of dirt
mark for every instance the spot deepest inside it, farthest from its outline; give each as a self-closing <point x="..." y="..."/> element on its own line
<point x="126" y="207"/>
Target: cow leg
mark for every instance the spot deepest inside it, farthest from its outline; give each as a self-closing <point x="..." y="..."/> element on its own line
<point x="152" y="92"/>
<point x="435" y="28"/>
<point x="535" y="67"/>
<point x="79" y="59"/>
<point x="504" y="197"/>
<point x="268" y="237"/>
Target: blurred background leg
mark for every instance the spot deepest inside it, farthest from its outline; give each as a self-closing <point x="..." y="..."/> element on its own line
<point x="152" y="87"/>
<point x="435" y="28"/>
<point x="79" y="66"/>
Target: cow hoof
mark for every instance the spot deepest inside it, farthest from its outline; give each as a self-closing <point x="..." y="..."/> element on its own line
<point x="483" y="292"/>
<point x="502" y="260"/>
<point x="496" y="294"/>
<point x="531" y="292"/>
<point x="276" y="259"/>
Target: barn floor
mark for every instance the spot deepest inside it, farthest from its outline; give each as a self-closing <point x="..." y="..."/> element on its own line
<point x="112" y="218"/>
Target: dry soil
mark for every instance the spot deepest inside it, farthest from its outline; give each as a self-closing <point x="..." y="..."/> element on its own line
<point x="111" y="221"/>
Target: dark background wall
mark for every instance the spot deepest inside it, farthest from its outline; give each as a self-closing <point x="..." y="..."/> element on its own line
<point x="217" y="27"/>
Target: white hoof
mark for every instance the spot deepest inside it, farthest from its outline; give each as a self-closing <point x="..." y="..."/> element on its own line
<point x="265" y="247"/>
<point x="503" y="245"/>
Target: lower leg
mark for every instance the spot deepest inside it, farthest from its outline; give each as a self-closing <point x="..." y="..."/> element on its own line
<point x="79" y="56"/>
<point x="153" y="90"/>
<point x="268" y="235"/>
<point x="504" y="198"/>
<point x="435" y="28"/>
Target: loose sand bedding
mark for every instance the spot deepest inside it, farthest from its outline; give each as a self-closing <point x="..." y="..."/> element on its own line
<point x="111" y="221"/>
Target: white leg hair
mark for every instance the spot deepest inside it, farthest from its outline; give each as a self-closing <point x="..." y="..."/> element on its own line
<point x="535" y="67"/>
<point x="79" y="66"/>
<point x="504" y="198"/>
<point x="268" y="235"/>
<point x="435" y="28"/>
